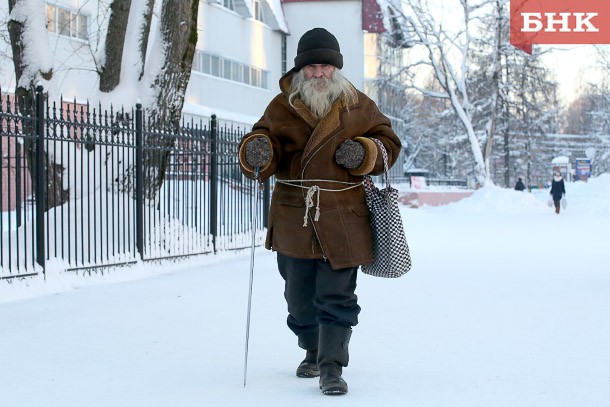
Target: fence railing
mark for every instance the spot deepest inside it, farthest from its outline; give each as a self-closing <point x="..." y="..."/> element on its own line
<point x="90" y="188"/>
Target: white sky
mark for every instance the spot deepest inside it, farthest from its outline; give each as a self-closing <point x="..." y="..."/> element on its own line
<point x="506" y="305"/>
<point x="574" y="65"/>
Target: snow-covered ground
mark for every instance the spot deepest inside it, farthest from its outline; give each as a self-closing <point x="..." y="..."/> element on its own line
<point x="507" y="304"/>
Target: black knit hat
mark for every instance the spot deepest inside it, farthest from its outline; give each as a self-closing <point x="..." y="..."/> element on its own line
<point x="318" y="46"/>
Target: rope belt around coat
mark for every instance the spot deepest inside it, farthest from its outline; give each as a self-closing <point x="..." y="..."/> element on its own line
<point x="313" y="190"/>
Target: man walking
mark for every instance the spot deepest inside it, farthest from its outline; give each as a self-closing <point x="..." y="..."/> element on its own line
<point x="316" y="136"/>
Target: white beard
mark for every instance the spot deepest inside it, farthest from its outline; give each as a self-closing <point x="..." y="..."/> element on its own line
<point x="319" y="94"/>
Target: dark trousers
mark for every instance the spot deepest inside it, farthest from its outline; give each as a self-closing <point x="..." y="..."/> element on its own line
<point x="316" y="294"/>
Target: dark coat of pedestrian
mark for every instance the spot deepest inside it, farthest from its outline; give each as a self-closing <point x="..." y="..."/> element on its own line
<point x="315" y="137"/>
<point x="558" y="191"/>
<point x="519" y="186"/>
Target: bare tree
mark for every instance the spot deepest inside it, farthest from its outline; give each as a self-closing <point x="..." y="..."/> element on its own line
<point x="448" y="56"/>
<point x="496" y="66"/>
<point x="589" y="114"/>
<point x="435" y="133"/>
<point x="177" y="37"/>
<point x="487" y="84"/>
<point x="499" y="23"/>
<point x="31" y="69"/>
<point x="534" y="108"/>
<point x="167" y="38"/>
<point x="110" y="71"/>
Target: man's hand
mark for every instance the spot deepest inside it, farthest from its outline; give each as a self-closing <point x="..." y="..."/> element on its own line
<point x="350" y="154"/>
<point x="258" y="152"/>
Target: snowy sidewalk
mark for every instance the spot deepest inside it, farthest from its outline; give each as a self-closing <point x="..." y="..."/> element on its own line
<point x="497" y="311"/>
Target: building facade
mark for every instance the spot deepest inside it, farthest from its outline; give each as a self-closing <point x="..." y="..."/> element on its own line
<point x="243" y="48"/>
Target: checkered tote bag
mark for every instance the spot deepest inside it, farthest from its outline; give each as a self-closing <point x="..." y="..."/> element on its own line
<point x="390" y="249"/>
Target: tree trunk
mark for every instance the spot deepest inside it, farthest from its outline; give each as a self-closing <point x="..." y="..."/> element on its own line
<point x="25" y="102"/>
<point x="491" y="132"/>
<point x="145" y="34"/>
<point x="110" y="74"/>
<point x="507" y="183"/>
<point x="178" y="27"/>
<point x="448" y="58"/>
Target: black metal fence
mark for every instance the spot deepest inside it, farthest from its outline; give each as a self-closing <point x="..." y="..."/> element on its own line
<point x="86" y="188"/>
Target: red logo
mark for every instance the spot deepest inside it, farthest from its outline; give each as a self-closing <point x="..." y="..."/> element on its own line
<point x="559" y="22"/>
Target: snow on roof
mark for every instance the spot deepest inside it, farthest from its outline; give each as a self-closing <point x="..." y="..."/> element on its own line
<point x="278" y="13"/>
<point x="390" y="9"/>
<point x="561" y="160"/>
<point x="222" y="115"/>
<point x="414" y="170"/>
<point x="272" y="11"/>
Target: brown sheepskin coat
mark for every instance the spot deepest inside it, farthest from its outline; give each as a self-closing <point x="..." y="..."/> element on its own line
<point x="303" y="152"/>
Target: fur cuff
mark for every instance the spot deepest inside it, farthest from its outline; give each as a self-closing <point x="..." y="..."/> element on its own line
<point x="242" y="153"/>
<point x="370" y="156"/>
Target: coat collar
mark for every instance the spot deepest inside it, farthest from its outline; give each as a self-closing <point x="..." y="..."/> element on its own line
<point x="322" y="131"/>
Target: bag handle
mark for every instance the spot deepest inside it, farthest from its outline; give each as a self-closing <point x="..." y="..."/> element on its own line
<point x="384" y="154"/>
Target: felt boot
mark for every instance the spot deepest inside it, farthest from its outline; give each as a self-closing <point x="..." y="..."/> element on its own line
<point x="309" y="365"/>
<point x="333" y="355"/>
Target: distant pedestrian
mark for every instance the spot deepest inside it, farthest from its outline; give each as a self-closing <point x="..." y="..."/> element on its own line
<point x="558" y="190"/>
<point x="519" y="186"/>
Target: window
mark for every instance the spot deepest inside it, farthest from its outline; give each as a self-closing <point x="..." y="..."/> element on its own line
<point x="264" y="79"/>
<point x="258" y="11"/>
<point x="51" y="19"/>
<point x="246" y="74"/>
<point x="63" y="22"/>
<point x="207" y="63"/>
<point x="66" y="22"/>
<point x="215" y="66"/>
<point x="226" y="71"/>
<point x="258" y="77"/>
<point x="81" y="26"/>
<point x="237" y="73"/>
<point x="284" y="53"/>
<point x="230" y="4"/>
<point x="229" y="69"/>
